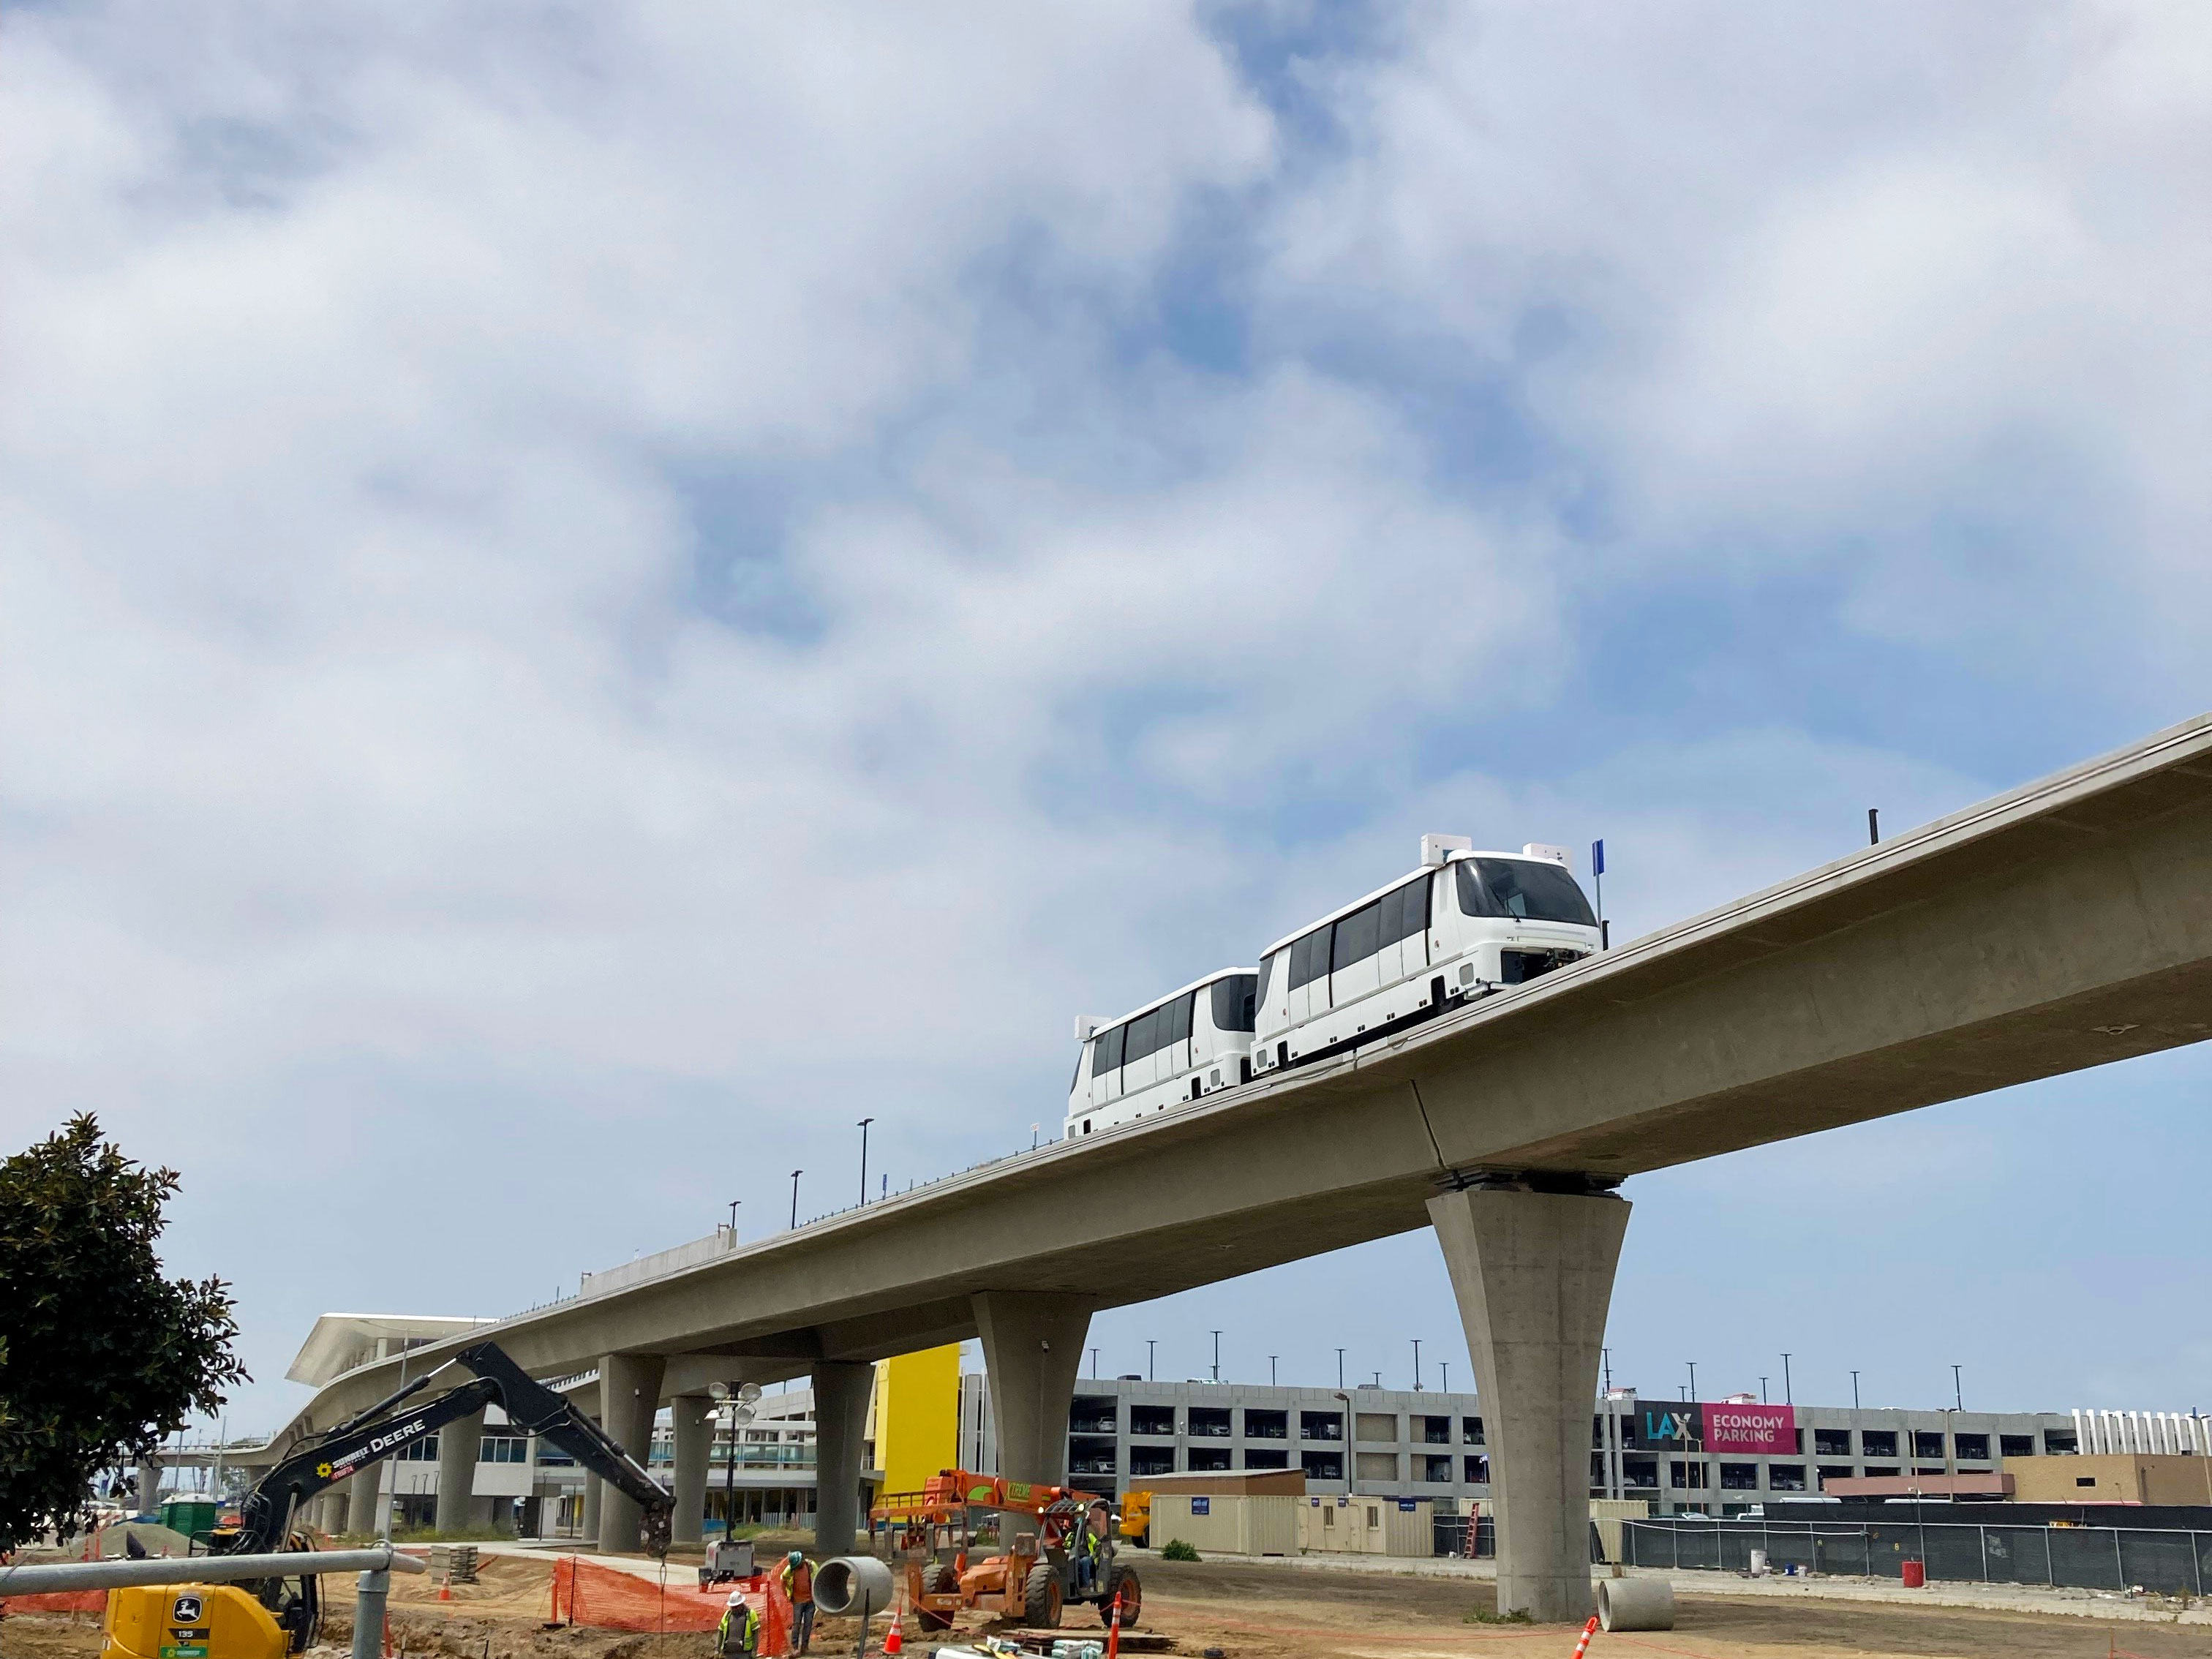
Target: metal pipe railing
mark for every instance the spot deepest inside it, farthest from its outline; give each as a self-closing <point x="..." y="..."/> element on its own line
<point x="43" y="1578"/>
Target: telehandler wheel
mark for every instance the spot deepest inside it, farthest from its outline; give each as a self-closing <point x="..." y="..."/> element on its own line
<point x="937" y="1579"/>
<point x="1125" y="1580"/>
<point x="1041" y="1597"/>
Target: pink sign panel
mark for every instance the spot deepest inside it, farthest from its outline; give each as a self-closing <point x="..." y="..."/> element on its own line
<point x="1753" y="1429"/>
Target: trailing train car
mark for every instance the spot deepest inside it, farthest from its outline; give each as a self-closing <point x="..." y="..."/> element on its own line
<point x="1462" y="925"/>
<point x="1177" y="1049"/>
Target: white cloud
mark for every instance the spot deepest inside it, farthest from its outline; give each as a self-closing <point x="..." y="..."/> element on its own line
<point x="584" y="579"/>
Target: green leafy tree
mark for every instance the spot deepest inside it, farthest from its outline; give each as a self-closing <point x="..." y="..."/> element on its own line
<point x="100" y="1356"/>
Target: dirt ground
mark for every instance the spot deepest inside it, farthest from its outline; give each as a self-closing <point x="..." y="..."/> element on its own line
<point x="1274" y="1613"/>
<point x="1249" y="1612"/>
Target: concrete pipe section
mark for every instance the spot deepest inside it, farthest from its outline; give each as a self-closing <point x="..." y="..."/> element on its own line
<point x="1635" y="1604"/>
<point x="857" y="1584"/>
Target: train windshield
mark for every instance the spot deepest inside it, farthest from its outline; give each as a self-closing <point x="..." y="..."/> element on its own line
<point x="1527" y="889"/>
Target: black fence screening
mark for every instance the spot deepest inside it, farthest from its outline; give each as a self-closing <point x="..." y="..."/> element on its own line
<point x="1449" y="1532"/>
<point x="2168" y="1561"/>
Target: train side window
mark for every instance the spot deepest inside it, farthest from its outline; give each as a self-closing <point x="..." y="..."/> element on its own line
<point x="1267" y="968"/>
<point x="1358" y="936"/>
<point x="1106" y="1051"/>
<point x="1143" y="1036"/>
<point x="1309" y="957"/>
<point x="1406" y="911"/>
<point x="1178" y="1020"/>
<point x="1235" y="1001"/>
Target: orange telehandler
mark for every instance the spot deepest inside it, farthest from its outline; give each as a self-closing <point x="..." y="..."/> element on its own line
<point x="1033" y="1577"/>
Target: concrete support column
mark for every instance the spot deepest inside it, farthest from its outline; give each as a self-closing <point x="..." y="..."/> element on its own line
<point x="1533" y="1274"/>
<point x="459" y="1443"/>
<point x="334" y="1511"/>
<point x="629" y="1395"/>
<point x="594" y="1488"/>
<point x="1032" y="1348"/>
<point x="364" y="1496"/>
<point x="694" y="1445"/>
<point x="149" y="1489"/>
<point x="840" y="1419"/>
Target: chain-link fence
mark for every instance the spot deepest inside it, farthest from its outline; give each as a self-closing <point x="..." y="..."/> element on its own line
<point x="2170" y="1562"/>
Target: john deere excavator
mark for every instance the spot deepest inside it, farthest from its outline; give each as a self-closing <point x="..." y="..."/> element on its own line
<point x="270" y="1618"/>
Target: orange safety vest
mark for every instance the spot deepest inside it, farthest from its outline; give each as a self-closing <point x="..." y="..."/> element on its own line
<point x="799" y="1582"/>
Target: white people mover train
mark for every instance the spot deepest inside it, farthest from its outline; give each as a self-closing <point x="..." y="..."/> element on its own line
<point x="1465" y="924"/>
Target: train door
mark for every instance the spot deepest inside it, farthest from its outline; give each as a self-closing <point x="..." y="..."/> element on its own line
<point x="1106" y="1065"/>
<point x="1355" y="971"/>
<point x="1405" y="931"/>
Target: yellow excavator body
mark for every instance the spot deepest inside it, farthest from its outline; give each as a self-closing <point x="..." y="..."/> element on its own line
<point x="189" y="1621"/>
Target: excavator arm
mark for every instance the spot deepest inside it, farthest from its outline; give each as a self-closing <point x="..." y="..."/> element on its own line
<point x="386" y="1430"/>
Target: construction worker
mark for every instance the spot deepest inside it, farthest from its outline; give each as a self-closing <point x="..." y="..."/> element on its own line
<point x="738" y="1635"/>
<point x="1089" y="1547"/>
<point x="797" y="1575"/>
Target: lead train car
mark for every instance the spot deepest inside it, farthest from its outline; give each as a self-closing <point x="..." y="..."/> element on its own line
<point x="1462" y="925"/>
<point x="1465" y="924"/>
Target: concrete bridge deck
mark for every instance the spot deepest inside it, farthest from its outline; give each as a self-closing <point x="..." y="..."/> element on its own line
<point x="2064" y="925"/>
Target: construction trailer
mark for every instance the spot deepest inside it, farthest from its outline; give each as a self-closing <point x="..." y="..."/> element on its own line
<point x="1367" y="1526"/>
<point x="1233" y="1524"/>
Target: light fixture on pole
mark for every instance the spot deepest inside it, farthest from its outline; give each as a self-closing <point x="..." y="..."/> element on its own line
<point x="795" y="1173"/>
<point x="1693" y="1377"/>
<point x="1094" y="1362"/>
<point x="1151" y="1344"/>
<point x="1271" y="1370"/>
<point x="864" y="1157"/>
<point x="1417" y="1364"/>
<point x="1854" y="1391"/>
<point x="1217" y="1356"/>
<point x="1444" y="1387"/>
<point x="1340" y="1368"/>
<point x="1788" y="1398"/>
<point x="733" y="1218"/>
<point x="1958" y="1393"/>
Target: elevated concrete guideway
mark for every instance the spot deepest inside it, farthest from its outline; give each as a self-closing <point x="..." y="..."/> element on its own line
<point x="2060" y="926"/>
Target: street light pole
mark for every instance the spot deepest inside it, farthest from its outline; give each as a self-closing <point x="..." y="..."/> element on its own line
<point x="1693" y="1377"/>
<point x="733" y="1218"/>
<point x="1854" y="1391"/>
<point x="1217" y="1356"/>
<point x="1151" y="1344"/>
<point x="864" y="1157"/>
<point x="1340" y="1370"/>
<point x="1271" y="1370"/>
<point x="1958" y="1392"/>
<point x="1417" y="1364"/>
<point x="1788" y="1398"/>
<point x="795" y="1173"/>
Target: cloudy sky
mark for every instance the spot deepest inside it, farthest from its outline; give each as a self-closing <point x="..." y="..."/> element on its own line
<point x="590" y="593"/>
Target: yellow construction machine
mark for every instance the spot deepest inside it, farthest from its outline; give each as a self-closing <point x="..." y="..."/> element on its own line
<point x="271" y="1618"/>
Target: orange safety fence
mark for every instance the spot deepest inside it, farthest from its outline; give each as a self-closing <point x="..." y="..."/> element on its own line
<point x="91" y="1601"/>
<point x="607" y="1598"/>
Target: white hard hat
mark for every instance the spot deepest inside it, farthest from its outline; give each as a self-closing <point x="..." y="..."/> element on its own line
<point x="737" y="1599"/>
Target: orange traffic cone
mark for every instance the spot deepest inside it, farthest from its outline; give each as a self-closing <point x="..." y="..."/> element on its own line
<point x="1114" y="1629"/>
<point x="894" y="1643"/>
<point x="445" y="1586"/>
<point x="1588" y="1630"/>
